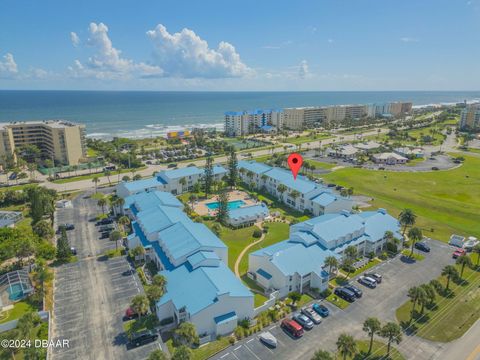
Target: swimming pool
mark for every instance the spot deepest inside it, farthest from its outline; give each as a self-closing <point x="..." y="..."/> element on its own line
<point x="235" y="204"/>
<point x="15" y="291"/>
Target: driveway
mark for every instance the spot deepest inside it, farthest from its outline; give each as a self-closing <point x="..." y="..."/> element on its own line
<point x="398" y="277"/>
<point x="91" y="295"/>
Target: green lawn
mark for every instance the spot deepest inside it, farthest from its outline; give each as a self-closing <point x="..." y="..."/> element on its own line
<point x="339" y="302"/>
<point x="307" y="139"/>
<point x="379" y="351"/>
<point x="206" y="351"/>
<point x="321" y="165"/>
<point x="305" y="299"/>
<point x="416" y="255"/>
<point x="113" y="176"/>
<point x="452" y="316"/>
<point x="276" y="232"/>
<point x="445" y="201"/>
<point x="259" y="300"/>
<point x="147" y="322"/>
<point x="19" y="308"/>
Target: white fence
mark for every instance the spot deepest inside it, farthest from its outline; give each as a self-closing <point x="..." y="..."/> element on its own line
<point x="270" y="302"/>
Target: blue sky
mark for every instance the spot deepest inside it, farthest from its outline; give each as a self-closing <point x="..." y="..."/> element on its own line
<point x="241" y="45"/>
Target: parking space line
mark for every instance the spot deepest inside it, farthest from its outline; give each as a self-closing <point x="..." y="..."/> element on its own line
<point x="272" y="327"/>
<point x="252" y="352"/>
<point x="238" y="347"/>
<point x="250" y="340"/>
<point x="221" y="357"/>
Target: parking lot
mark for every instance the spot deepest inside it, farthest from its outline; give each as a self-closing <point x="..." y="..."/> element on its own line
<point x="398" y="277"/>
<point x="91" y="295"/>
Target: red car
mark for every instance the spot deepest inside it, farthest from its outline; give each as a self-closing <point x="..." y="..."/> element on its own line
<point x="130" y="314"/>
<point x="292" y="327"/>
<point x="459" y="252"/>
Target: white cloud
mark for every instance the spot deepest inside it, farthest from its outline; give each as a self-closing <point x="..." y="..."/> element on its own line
<point x="408" y="40"/>
<point x="107" y="61"/>
<point x="8" y="67"/>
<point x="303" y="71"/>
<point x="330" y="41"/>
<point x="185" y="55"/>
<point x="75" y="39"/>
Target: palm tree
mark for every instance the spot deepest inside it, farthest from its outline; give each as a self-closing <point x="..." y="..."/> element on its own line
<point x="407" y="218"/>
<point x="160" y="281"/>
<point x="183" y="182"/>
<point x="102" y="202"/>
<point x="450" y="272"/>
<point x="463" y="261"/>
<point x="157" y="355"/>
<point x="415" y="293"/>
<point x="331" y="262"/>
<point x="115" y="235"/>
<point x="393" y="332"/>
<point x="476" y="250"/>
<point x="107" y="174"/>
<point x="281" y="189"/>
<point x="294" y="195"/>
<point x="140" y="304"/>
<point x="429" y="295"/>
<point x="123" y="221"/>
<point x="322" y="355"/>
<point x="372" y="326"/>
<point x="95" y="180"/>
<point x="346" y="345"/>
<point x="414" y="235"/>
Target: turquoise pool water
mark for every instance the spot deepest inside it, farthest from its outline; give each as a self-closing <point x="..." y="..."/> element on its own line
<point x="15" y="292"/>
<point x="231" y="204"/>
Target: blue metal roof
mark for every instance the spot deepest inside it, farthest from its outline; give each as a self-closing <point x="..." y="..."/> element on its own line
<point x="225" y="317"/>
<point x="253" y="166"/>
<point x="252" y="210"/>
<point x="147" y="200"/>
<point x="200" y="257"/>
<point x="180" y="173"/>
<point x="324" y="199"/>
<point x="140" y="185"/>
<point x="199" y="288"/>
<point x="301" y="184"/>
<point x="159" y="218"/>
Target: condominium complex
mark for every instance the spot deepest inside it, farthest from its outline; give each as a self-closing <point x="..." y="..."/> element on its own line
<point x="61" y="141"/>
<point x="470" y="118"/>
<point x="300" y="193"/>
<point x="240" y="123"/>
<point x="298" y="263"/>
<point x="200" y="287"/>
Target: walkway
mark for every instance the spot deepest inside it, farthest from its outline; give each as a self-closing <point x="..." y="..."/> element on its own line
<point x="239" y="258"/>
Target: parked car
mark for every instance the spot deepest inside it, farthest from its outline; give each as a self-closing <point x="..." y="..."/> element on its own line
<point x="143" y="337"/>
<point x="73" y="251"/>
<point x="312" y="315"/>
<point x="12" y="176"/>
<point x="435" y="168"/>
<point x="67" y="227"/>
<point x="106" y="228"/>
<point x="292" y="327"/>
<point x="104" y="235"/>
<point x="303" y="320"/>
<point x="375" y="276"/>
<point x="345" y="294"/>
<point x="321" y="309"/>
<point x="470" y="244"/>
<point x="105" y="221"/>
<point x="171" y="165"/>
<point x="268" y="339"/>
<point x="367" y="281"/>
<point x="422" y="246"/>
<point x="131" y="314"/>
<point x="358" y="293"/>
<point x="459" y="252"/>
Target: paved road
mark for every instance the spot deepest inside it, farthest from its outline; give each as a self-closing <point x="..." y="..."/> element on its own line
<point x="380" y="302"/>
<point x="87" y="184"/>
<point x="92" y="294"/>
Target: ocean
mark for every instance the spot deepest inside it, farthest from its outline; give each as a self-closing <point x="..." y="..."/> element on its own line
<point x="140" y="114"/>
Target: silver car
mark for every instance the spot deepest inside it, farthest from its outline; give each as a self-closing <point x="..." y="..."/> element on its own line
<point x="267" y="338"/>
<point x="304" y="321"/>
<point x="312" y="314"/>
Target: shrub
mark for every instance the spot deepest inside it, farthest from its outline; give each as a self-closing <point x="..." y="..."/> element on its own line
<point x="383" y="255"/>
<point x="371" y="255"/>
<point x="166" y="321"/>
<point x="391" y="247"/>
<point x="244" y="323"/>
<point x="257" y="233"/>
<point x="326" y="293"/>
<point x="239" y="332"/>
<point x="231" y="340"/>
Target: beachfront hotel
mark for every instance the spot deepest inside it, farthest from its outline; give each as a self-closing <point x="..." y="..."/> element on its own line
<point x="175" y="181"/>
<point x="58" y="140"/>
<point x="301" y="194"/>
<point x="298" y="263"/>
<point x="240" y="123"/>
<point x="470" y="118"/>
<point x="201" y="289"/>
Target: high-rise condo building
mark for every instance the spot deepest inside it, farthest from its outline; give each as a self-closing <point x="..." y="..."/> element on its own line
<point x="470" y="118"/>
<point x="60" y="141"/>
<point x="240" y="123"/>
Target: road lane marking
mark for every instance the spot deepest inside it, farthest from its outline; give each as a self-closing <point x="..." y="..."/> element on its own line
<point x="474" y="353"/>
<point x="238" y="347"/>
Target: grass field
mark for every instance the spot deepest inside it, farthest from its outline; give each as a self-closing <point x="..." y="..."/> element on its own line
<point x="451" y="317"/>
<point x="339" y="302"/>
<point x="205" y="351"/>
<point x="307" y="139"/>
<point x="445" y="201"/>
<point x="416" y="255"/>
<point x="18" y="310"/>
<point x="321" y="165"/>
<point x="379" y="351"/>
<point x="113" y="176"/>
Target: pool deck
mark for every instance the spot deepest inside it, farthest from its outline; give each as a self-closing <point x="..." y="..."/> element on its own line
<point x="201" y="208"/>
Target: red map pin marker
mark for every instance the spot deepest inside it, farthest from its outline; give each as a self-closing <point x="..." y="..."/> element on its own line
<point x="295" y="162"/>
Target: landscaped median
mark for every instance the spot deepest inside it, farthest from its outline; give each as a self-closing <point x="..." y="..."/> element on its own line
<point x="415" y="256"/>
<point x="378" y="352"/>
<point x="451" y="314"/>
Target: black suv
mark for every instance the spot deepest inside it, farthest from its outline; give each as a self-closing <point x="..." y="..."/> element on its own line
<point x="358" y="293"/>
<point x="422" y="246"/>
<point x="143" y="337"/>
<point x="345" y="294"/>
